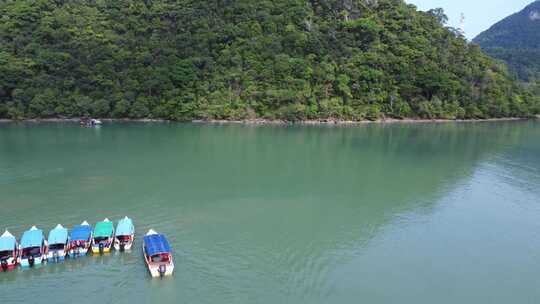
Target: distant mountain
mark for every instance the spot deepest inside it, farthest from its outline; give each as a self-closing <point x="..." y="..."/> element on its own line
<point x="516" y="40"/>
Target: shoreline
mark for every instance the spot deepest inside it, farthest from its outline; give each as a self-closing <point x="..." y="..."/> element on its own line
<point x="273" y="122"/>
<point x="363" y="122"/>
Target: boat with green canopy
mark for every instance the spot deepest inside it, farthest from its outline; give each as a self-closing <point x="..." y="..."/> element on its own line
<point x="103" y="237"/>
<point x="125" y="233"/>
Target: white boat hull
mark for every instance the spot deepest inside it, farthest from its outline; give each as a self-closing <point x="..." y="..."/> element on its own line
<point x="154" y="270"/>
<point x="51" y="257"/>
<point x="37" y="261"/>
<point x="127" y="246"/>
<point x="10" y="263"/>
<point x="78" y="252"/>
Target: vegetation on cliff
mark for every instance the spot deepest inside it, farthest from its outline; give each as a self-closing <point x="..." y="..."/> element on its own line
<point x="245" y="59"/>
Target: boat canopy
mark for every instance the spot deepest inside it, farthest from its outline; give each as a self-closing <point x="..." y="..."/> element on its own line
<point x="103" y="229"/>
<point x="156" y="244"/>
<point x="7" y="242"/>
<point x="81" y="233"/>
<point x="125" y="227"/>
<point x="32" y="238"/>
<point x="58" y="235"/>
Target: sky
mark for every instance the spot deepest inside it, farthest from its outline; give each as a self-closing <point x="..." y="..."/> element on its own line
<point x="479" y="14"/>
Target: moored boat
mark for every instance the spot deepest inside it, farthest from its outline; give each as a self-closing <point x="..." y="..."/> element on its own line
<point x="58" y="244"/>
<point x="33" y="247"/>
<point x="103" y="237"/>
<point x="157" y="254"/>
<point x="90" y="122"/>
<point x="125" y="233"/>
<point x="95" y="122"/>
<point x="8" y="251"/>
<point x="80" y="240"/>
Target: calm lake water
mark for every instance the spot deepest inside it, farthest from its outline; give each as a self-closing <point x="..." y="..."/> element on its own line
<point x="404" y="213"/>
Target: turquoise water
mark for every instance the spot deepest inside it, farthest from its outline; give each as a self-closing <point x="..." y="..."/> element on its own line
<point x="404" y="213"/>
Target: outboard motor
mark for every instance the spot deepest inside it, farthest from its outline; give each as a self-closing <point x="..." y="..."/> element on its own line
<point x="4" y="265"/>
<point x="55" y="256"/>
<point x="31" y="260"/>
<point x="162" y="269"/>
<point x="122" y="246"/>
<point x="101" y="248"/>
<point x="77" y="251"/>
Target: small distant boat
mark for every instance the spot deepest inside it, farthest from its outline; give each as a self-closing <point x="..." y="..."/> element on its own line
<point x="103" y="237"/>
<point x="58" y="244"/>
<point x="95" y="122"/>
<point x="125" y="232"/>
<point x="157" y="254"/>
<point x="80" y="240"/>
<point x="9" y="252"/>
<point x="33" y="247"/>
<point x="90" y="122"/>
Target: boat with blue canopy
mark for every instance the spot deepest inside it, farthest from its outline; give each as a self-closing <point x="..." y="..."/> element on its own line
<point x="103" y="237"/>
<point x="125" y="233"/>
<point x="33" y="247"/>
<point x="58" y="244"/>
<point x="80" y="240"/>
<point x="157" y="254"/>
<point x="9" y="251"/>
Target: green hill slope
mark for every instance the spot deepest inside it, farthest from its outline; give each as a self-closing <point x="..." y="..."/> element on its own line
<point x="223" y="59"/>
<point x="516" y="40"/>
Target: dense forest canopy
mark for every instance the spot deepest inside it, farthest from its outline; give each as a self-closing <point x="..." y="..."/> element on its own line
<point x="245" y="59"/>
<point x="516" y="41"/>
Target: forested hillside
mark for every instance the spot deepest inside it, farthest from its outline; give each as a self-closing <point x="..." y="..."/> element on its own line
<point x="516" y="41"/>
<point x="244" y="59"/>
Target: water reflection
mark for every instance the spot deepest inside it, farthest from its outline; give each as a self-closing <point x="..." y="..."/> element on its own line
<point x="255" y="213"/>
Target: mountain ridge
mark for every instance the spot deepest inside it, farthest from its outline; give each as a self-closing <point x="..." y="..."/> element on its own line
<point x="516" y="41"/>
<point x="527" y="27"/>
